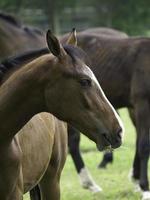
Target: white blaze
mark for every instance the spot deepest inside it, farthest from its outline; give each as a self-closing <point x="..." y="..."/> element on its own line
<point x="92" y="76"/>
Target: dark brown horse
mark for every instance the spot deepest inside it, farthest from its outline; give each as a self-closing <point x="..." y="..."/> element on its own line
<point x="59" y="84"/>
<point x="121" y="65"/>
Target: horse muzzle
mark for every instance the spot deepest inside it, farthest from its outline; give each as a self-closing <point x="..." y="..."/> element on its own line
<point x="110" y="142"/>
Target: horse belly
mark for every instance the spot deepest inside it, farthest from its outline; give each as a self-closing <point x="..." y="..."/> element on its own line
<point x="36" y="140"/>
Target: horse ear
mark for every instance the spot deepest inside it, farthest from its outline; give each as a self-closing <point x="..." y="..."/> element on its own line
<point x="72" y="38"/>
<point x="54" y="45"/>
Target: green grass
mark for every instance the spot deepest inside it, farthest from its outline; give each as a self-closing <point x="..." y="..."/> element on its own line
<point x="114" y="180"/>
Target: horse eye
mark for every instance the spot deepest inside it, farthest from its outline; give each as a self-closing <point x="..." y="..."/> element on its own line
<point x="85" y="82"/>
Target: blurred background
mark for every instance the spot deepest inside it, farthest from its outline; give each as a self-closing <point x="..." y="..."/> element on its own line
<point x="130" y="16"/>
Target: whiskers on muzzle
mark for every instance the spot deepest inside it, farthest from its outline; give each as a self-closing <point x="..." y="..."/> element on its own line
<point x="110" y="141"/>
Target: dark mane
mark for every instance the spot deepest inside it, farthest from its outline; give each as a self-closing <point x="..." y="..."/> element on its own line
<point x="32" y="30"/>
<point x="15" y="62"/>
<point x="10" y="19"/>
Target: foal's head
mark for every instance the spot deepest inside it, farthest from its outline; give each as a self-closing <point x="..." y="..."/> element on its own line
<point x="78" y="97"/>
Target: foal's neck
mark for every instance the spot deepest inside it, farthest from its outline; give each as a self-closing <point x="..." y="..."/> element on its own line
<point x="22" y="96"/>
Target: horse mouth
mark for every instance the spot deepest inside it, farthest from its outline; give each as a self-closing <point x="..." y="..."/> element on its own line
<point x="106" y="144"/>
<point x="107" y="148"/>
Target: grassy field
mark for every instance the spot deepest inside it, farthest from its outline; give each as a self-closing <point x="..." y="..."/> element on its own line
<point x="114" y="180"/>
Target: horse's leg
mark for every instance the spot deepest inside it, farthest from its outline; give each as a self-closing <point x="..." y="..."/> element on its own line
<point x="50" y="185"/>
<point x="107" y="158"/>
<point x="35" y="193"/>
<point x="84" y="175"/>
<point x="142" y="114"/>
<point x="73" y="144"/>
<point x="136" y="163"/>
<point x="11" y="182"/>
<point x="135" y="172"/>
<point x="16" y="195"/>
<point x="50" y="182"/>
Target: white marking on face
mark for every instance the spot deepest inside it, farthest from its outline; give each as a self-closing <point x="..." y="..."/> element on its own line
<point x="92" y="76"/>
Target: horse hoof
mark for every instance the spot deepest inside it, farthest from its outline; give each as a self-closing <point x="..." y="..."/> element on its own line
<point x="92" y="187"/>
<point x="87" y="182"/>
<point x="95" y="188"/>
<point x="146" y="195"/>
<point x="102" y="165"/>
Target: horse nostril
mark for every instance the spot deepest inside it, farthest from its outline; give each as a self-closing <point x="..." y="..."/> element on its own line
<point x="117" y="138"/>
<point x="119" y="134"/>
